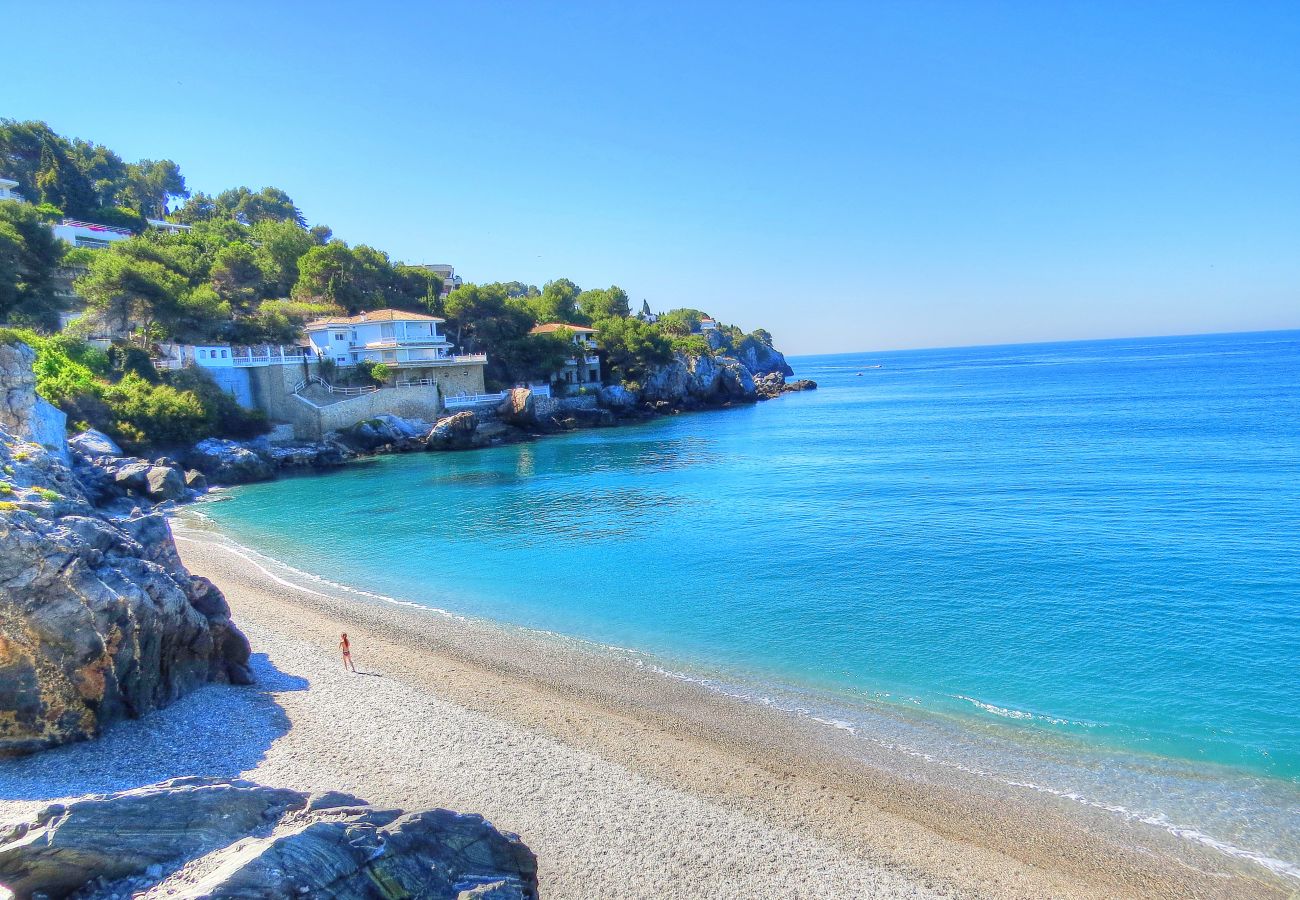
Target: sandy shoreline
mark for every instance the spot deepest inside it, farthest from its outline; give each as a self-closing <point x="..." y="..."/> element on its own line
<point x="626" y="783"/>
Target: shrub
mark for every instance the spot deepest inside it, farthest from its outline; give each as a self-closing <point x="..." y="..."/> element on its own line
<point x="145" y="414"/>
<point x="691" y="345"/>
<point x="7" y="506"/>
<point x="6" y="489"/>
<point x="226" y="418"/>
<point x="47" y="494"/>
<point x="372" y="372"/>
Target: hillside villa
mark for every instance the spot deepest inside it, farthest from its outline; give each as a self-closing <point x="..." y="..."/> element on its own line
<point x="583" y="367"/>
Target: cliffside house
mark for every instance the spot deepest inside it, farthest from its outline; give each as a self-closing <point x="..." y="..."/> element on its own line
<point x="8" y="190"/>
<point x="289" y="384"/>
<point x="583" y="367"/>
<point x="645" y="315"/>
<point x="708" y="324"/>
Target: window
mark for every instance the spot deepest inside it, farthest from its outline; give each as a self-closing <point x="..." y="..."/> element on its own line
<point x="223" y="354"/>
<point x="203" y="354"/>
<point x="340" y="336"/>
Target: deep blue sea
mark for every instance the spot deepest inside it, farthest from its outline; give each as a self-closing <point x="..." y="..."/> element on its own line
<point x="1073" y="568"/>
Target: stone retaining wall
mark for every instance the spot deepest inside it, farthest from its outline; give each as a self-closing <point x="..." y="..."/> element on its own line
<point x="312" y="422"/>
<point x="551" y="407"/>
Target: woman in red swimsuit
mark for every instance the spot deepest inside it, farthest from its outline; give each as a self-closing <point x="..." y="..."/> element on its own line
<point x="347" y="654"/>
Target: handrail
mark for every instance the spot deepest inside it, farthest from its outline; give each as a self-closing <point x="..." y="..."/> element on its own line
<point x="344" y="391"/>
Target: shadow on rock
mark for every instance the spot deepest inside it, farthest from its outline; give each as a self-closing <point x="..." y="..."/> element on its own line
<point x="218" y="730"/>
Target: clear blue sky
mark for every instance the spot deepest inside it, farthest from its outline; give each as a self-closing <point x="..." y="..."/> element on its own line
<point x="850" y="176"/>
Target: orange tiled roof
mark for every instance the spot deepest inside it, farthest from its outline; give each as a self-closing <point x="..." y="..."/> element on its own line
<point x="374" y="315"/>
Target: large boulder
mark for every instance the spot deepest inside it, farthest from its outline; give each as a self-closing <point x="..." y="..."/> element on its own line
<point x="164" y="483"/>
<point x="618" y="398"/>
<point x="202" y="837"/>
<point x="384" y="432"/>
<point x="92" y="444"/>
<point x="454" y="432"/>
<point x="228" y="462"/>
<point x="518" y="408"/>
<point x="99" y="620"/>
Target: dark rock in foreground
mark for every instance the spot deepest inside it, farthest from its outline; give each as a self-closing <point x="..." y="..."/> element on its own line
<point x="205" y="837"/>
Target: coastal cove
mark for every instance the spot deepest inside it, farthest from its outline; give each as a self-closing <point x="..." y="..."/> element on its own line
<point x="943" y="544"/>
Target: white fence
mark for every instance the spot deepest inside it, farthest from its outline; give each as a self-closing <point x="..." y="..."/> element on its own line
<point x="341" y="391"/>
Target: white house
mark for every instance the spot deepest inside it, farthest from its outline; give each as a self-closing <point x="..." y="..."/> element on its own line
<point x="383" y="336"/>
<point x="7" y="191"/>
<point x="708" y="324"/>
<point x="645" y="315"/>
<point x="88" y="234"/>
<point x="584" y="366"/>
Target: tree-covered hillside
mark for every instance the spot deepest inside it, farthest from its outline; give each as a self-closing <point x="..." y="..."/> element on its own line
<point x="248" y="270"/>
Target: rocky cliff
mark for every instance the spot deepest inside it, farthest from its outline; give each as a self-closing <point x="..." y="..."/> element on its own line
<point x="204" y="837"/>
<point x="98" y="618"/>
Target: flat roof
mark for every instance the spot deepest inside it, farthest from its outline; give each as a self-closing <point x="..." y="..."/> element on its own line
<point x="552" y="327"/>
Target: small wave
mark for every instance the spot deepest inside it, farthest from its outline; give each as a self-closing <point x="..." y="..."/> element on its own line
<point x="860" y="731"/>
<point x="1008" y="713"/>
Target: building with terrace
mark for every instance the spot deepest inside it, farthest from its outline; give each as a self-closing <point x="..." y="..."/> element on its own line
<point x="408" y="343"/>
<point x="583" y="367"/>
<point x="8" y="190"/>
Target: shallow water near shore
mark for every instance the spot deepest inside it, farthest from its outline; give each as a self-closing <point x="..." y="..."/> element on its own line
<point x="1071" y="569"/>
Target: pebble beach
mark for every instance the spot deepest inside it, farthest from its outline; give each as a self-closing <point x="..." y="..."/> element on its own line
<point x="625" y="783"/>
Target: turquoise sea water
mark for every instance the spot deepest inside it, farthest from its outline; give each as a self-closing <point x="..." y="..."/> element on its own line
<point x="1073" y="568"/>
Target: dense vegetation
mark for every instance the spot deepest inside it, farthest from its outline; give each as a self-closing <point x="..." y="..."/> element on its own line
<point x="119" y="393"/>
<point x="249" y="271"/>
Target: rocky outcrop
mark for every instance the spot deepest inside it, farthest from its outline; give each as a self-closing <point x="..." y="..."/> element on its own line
<point x="229" y="462"/>
<point x="385" y="433"/>
<point x="774" y="385"/>
<point x="98" y="619"/>
<point x="454" y="432"/>
<point x="694" y="381"/>
<point x="201" y="837"/>
<point x="519" y="408"/>
<point x="22" y="412"/>
<point x="761" y="358"/>
<point x="92" y="444"/>
<point x="618" y="398"/>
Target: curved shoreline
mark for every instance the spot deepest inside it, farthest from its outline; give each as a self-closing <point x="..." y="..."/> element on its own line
<point x="907" y="816"/>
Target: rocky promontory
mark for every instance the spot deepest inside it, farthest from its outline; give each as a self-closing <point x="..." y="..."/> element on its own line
<point x="98" y="618"/>
<point x="207" y="837"/>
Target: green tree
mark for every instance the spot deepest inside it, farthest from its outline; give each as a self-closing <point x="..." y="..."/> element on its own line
<point x="237" y="276"/>
<point x="558" y="302"/>
<point x="632" y="348"/>
<point x="280" y="245"/>
<point x="151" y="185"/>
<point x="199" y="208"/>
<point x="326" y="273"/>
<point x="29" y="259"/>
<point x="136" y="294"/>
<point x="268" y="204"/>
<point x="609" y="303"/>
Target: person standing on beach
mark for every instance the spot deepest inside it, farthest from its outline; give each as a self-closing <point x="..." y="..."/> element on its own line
<point x="346" y="647"/>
